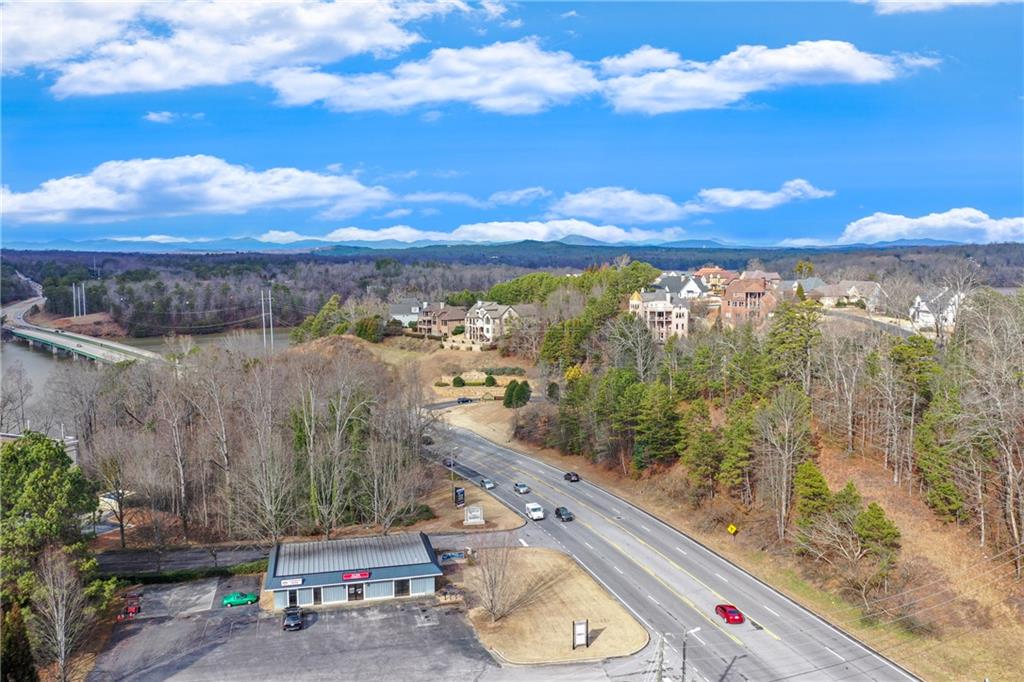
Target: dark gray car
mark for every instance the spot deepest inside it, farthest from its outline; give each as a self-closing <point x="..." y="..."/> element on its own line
<point x="292" y="619"/>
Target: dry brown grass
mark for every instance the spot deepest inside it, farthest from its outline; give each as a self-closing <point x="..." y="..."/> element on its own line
<point x="958" y="652"/>
<point x="496" y="515"/>
<point x="540" y="631"/>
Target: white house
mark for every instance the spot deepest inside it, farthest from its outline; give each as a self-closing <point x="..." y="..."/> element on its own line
<point x="487" y="321"/>
<point x="936" y="309"/>
<point x="406" y="310"/>
<point x="665" y="313"/>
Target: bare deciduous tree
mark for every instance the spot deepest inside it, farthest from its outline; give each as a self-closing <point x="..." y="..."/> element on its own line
<point x="14" y="397"/>
<point x="60" y="615"/>
<point x="784" y="439"/>
<point x="632" y="344"/>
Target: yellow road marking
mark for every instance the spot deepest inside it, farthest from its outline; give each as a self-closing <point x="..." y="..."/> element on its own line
<point x="656" y="551"/>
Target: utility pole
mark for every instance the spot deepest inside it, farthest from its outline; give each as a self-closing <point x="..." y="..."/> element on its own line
<point x="81" y="289"/>
<point x="74" y="300"/>
<point x="263" y="319"/>
<point x="270" y="298"/>
<point x="661" y="659"/>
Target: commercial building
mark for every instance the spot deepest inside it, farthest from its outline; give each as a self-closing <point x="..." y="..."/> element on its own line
<point x="351" y="569"/>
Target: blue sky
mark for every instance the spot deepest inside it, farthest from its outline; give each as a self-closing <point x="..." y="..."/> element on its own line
<point x="757" y="123"/>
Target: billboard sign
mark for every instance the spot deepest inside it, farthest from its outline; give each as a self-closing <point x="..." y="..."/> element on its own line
<point x="460" y="497"/>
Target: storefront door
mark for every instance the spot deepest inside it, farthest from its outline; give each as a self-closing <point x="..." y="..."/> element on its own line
<point x="355" y="592"/>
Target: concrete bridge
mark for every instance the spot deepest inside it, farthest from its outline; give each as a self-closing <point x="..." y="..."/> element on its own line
<point x="60" y="341"/>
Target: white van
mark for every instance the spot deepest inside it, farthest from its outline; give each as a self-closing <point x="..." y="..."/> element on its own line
<point x="534" y="511"/>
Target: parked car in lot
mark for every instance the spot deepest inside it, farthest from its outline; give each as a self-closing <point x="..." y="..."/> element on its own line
<point x="486" y="484"/>
<point x="292" y="619"/>
<point x="729" y="613"/>
<point x="534" y="511"/>
<point x="572" y="477"/>
<point x="463" y="400"/>
<point x="239" y="599"/>
<point x="521" y="488"/>
<point x="564" y="514"/>
<point x="448" y="462"/>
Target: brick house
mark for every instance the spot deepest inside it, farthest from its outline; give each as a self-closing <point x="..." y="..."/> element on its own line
<point x="439" y="319"/>
<point x="748" y="300"/>
<point x="716" y="278"/>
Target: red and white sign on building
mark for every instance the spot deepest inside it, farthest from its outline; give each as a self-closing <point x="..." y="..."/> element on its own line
<point x="355" y="575"/>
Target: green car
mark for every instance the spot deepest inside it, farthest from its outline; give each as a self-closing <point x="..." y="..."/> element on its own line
<point x="239" y="599"/>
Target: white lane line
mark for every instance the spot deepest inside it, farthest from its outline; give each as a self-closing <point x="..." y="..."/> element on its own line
<point x="621" y="600"/>
<point x="616" y="510"/>
<point x="523" y="542"/>
<point x="619" y="570"/>
<point x="681" y="550"/>
<point x="835" y="654"/>
<point x="722" y="577"/>
<point x="772" y="612"/>
<point x="588" y="544"/>
<point x="697" y="637"/>
<point x="654" y="600"/>
<point x="645" y="528"/>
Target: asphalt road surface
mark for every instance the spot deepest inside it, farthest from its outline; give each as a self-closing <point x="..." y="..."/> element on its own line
<point x="672" y="583"/>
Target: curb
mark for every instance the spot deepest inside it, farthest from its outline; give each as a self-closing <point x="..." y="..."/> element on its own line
<point x="821" y="619"/>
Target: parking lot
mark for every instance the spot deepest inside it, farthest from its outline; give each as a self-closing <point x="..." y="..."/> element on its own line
<point x="396" y="640"/>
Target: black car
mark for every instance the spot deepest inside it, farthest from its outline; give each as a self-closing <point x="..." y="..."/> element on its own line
<point x="292" y="618"/>
<point x="564" y="514"/>
<point x="463" y="400"/>
<point x="448" y="462"/>
<point x="572" y="477"/>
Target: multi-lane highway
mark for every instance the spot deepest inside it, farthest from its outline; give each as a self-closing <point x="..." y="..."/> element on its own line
<point x="672" y="583"/>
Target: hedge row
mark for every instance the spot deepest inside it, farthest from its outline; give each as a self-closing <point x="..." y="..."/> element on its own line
<point x="183" y="575"/>
<point x="499" y="371"/>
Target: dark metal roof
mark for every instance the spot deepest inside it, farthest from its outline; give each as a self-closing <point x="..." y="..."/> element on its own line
<point x="350" y="554"/>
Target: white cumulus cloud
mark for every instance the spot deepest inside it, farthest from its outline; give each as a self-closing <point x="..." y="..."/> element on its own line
<point x="137" y="188"/>
<point x="645" y="58"/>
<point x="510" y="78"/>
<point x="524" y="196"/>
<point x="957" y="224"/>
<point x="115" y="47"/>
<point x="496" y="231"/>
<point x="725" y="199"/>
<point x="617" y="204"/>
<point x="753" y="68"/>
<point x="914" y="6"/>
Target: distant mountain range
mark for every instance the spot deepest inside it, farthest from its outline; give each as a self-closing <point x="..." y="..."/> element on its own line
<point x="250" y="244"/>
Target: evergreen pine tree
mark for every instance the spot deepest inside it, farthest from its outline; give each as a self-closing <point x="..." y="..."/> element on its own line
<point x="812" y="493"/>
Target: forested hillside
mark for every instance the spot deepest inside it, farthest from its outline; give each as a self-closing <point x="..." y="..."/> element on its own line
<point x="744" y="415"/>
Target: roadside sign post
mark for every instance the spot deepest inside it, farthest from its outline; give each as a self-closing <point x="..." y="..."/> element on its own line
<point x="460" y="497"/>
<point x="732" y="529"/>
<point x="580" y="633"/>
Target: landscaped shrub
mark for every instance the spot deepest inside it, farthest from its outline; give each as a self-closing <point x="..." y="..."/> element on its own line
<point x="458" y="382"/>
<point x="441" y="384"/>
<point x="459" y="329"/>
<point x="500" y="371"/>
<point x="490" y="380"/>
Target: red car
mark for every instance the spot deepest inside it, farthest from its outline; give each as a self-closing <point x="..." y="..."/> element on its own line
<point x="729" y="613"/>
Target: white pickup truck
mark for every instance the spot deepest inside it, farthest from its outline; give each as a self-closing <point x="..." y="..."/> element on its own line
<point x="534" y="511"/>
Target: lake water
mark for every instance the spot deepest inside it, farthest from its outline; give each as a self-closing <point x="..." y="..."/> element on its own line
<point x="40" y="364"/>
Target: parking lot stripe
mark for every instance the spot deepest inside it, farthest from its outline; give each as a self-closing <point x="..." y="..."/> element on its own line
<point x="835" y="654"/>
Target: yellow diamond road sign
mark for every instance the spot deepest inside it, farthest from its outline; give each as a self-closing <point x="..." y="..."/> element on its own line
<point x="732" y="529"/>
